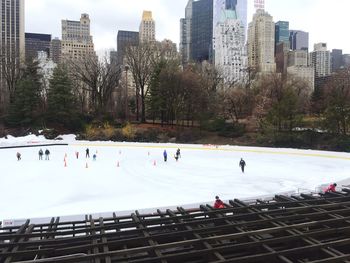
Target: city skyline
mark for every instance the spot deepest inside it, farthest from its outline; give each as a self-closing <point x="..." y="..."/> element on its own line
<point x="323" y="21"/>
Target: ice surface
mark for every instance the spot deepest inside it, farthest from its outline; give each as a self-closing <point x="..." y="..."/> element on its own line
<point x="130" y="176"/>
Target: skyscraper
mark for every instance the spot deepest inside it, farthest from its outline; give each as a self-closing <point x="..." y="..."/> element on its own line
<point x="76" y="39"/>
<point x="124" y="39"/>
<point x="35" y="43"/>
<point x="12" y="48"/>
<point x="261" y="42"/>
<point x="299" y="40"/>
<point x="240" y="6"/>
<point x="147" y="28"/>
<point x="185" y="33"/>
<point x="282" y="32"/>
<point x="56" y="50"/>
<point x="202" y="30"/>
<point x="230" y="52"/>
<point x="337" y="59"/>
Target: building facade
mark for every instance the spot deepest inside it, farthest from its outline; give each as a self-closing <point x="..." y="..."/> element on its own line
<point x="298" y="67"/>
<point x="337" y="59"/>
<point x="281" y="32"/>
<point x="12" y="42"/>
<point x="346" y="60"/>
<point x="124" y="39"/>
<point x="299" y="40"/>
<point x="202" y="30"/>
<point x="56" y="51"/>
<point x="35" y="43"/>
<point x="281" y="57"/>
<point x="77" y="42"/>
<point x="230" y="50"/>
<point x="147" y="28"/>
<point x="185" y="33"/>
<point x="239" y="6"/>
<point x="320" y="60"/>
<point x="261" y="42"/>
<point x="167" y="49"/>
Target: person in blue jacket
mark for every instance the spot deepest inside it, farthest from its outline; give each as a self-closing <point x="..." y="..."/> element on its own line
<point x="165" y="155"/>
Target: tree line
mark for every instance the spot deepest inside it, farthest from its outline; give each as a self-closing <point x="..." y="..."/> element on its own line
<point x="170" y="93"/>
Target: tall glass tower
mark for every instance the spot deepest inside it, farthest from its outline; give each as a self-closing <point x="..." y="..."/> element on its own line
<point x="202" y="30"/>
<point x="282" y="32"/>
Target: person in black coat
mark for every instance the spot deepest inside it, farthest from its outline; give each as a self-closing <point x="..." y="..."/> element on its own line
<point x="47" y="154"/>
<point x="242" y="164"/>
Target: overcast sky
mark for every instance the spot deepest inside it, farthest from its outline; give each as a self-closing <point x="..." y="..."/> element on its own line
<point x="324" y="21"/>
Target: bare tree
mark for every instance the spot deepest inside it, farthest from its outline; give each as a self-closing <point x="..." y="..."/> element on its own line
<point x="141" y="60"/>
<point x="10" y="70"/>
<point x="98" y="79"/>
<point x="280" y="102"/>
<point x="337" y="101"/>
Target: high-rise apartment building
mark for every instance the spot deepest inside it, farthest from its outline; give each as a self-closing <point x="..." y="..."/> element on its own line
<point x="230" y="51"/>
<point x="56" y="51"/>
<point x="185" y="33"/>
<point x="147" y="28"/>
<point x="12" y="43"/>
<point x="261" y="42"/>
<point x="124" y="39"/>
<point x="282" y="32"/>
<point x="299" y="40"/>
<point x="320" y="59"/>
<point x="76" y="39"/>
<point x="35" y="43"/>
<point x="337" y="59"/>
<point x="202" y="30"/>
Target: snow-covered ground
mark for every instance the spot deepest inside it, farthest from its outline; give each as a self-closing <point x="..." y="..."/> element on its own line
<point x="130" y="176"/>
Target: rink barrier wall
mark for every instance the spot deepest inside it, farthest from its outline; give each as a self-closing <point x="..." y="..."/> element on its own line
<point x="31" y="146"/>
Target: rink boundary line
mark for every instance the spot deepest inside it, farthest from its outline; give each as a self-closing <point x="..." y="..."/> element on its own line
<point x="328" y="156"/>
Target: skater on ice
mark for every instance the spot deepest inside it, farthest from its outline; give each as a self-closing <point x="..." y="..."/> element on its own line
<point x="47" y="154"/>
<point x="41" y="153"/>
<point x="178" y="154"/>
<point x="331" y="188"/>
<point x="165" y="155"/>
<point x="18" y="156"/>
<point x="242" y="164"/>
<point x="94" y="157"/>
<point x="218" y="203"/>
<point x="87" y="153"/>
<point x="77" y="155"/>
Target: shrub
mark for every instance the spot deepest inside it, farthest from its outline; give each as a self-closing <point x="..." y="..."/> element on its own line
<point x="128" y="131"/>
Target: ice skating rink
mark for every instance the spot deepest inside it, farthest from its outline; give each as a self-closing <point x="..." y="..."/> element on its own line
<point x="130" y="176"/>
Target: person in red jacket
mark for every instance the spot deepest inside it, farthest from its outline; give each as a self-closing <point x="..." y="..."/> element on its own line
<point x="331" y="188"/>
<point x="218" y="203"/>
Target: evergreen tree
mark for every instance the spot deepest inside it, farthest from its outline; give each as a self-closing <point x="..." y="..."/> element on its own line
<point x="25" y="107"/>
<point x="61" y="106"/>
